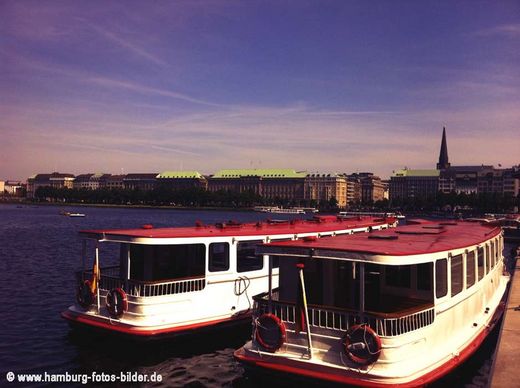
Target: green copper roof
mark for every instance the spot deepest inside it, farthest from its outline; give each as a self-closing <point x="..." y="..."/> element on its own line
<point x="425" y="173"/>
<point x="179" y="175"/>
<point x="264" y="173"/>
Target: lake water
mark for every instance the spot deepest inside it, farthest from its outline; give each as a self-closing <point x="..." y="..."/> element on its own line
<point x="40" y="250"/>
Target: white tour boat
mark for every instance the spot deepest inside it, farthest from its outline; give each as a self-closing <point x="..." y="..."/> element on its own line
<point x="170" y="281"/>
<point x="395" y="307"/>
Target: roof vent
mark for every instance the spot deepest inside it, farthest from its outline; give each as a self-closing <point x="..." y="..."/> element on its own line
<point x="309" y="238"/>
<point x="147" y="226"/>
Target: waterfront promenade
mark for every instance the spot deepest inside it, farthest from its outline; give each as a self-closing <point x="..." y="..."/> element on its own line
<point x="505" y="368"/>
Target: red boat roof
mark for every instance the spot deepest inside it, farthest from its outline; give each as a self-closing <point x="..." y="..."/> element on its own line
<point x="417" y="239"/>
<point x="318" y="224"/>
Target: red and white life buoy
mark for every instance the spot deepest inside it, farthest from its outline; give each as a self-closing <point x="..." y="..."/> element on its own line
<point x="84" y="295"/>
<point x="117" y="302"/>
<point x="362" y="345"/>
<point x="270" y="332"/>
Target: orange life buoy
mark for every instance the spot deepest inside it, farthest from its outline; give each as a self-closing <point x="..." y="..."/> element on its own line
<point x="270" y="332"/>
<point x="117" y="302"/>
<point x="362" y="345"/>
<point x="84" y="295"/>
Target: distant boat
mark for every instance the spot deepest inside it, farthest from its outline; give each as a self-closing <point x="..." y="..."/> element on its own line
<point x="76" y="215"/>
<point x="69" y="214"/>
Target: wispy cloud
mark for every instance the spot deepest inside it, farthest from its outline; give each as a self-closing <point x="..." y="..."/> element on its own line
<point x="107" y="82"/>
<point x="128" y="45"/>
<point x="505" y="30"/>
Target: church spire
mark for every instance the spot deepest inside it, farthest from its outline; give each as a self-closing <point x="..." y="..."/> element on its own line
<point x="443" y="155"/>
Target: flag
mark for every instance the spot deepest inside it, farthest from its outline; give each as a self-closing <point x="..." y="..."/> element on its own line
<point x="96" y="275"/>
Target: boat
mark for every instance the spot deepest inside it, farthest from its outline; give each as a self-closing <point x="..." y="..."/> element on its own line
<point x="70" y="214"/>
<point x="372" y="214"/>
<point x="279" y="210"/>
<point x="510" y="224"/>
<point x="157" y="282"/>
<point x="398" y="307"/>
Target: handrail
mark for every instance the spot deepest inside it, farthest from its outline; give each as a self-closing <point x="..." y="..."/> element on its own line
<point x="342" y="319"/>
<point x="138" y="288"/>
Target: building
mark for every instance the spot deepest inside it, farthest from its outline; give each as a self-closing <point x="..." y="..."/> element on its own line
<point x="143" y="182"/>
<point x="55" y="180"/>
<point x="13" y="188"/>
<point x="82" y="181"/>
<point x="406" y="184"/>
<point x="324" y="187"/>
<point x="114" y="182"/>
<point x="2" y="187"/>
<point x="372" y="188"/>
<point x="353" y="190"/>
<point x="279" y="184"/>
<point x="179" y="180"/>
<point x="475" y="179"/>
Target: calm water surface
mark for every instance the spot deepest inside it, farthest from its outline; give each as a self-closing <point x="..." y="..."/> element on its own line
<point x="40" y="250"/>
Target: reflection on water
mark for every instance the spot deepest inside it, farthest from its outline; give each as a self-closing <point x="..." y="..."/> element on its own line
<point x="39" y="251"/>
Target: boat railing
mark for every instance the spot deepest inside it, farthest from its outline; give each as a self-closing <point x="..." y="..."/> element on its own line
<point x="110" y="278"/>
<point x="337" y="319"/>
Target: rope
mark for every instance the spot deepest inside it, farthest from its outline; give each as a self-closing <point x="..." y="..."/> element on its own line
<point x="241" y="286"/>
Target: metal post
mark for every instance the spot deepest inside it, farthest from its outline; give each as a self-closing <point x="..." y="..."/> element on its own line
<point x="302" y="280"/>
<point x="362" y="288"/>
<point x="270" y="286"/>
<point x="97" y="280"/>
<point x="127" y="267"/>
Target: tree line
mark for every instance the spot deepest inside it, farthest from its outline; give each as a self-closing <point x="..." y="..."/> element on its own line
<point x="198" y="197"/>
<point x="164" y="196"/>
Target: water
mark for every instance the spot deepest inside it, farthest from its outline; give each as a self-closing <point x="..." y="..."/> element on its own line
<point x="39" y="251"/>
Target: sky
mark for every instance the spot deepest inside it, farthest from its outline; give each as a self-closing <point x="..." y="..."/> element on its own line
<point x="320" y="86"/>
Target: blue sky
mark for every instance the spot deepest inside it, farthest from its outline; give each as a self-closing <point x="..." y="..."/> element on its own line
<point x="329" y="86"/>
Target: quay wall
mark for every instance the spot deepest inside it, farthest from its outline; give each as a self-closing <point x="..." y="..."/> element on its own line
<point x="507" y="355"/>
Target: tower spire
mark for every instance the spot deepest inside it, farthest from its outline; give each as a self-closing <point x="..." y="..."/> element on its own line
<point x="443" y="155"/>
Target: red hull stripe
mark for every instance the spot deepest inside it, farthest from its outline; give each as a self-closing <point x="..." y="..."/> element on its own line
<point x="337" y="378"/>
<point x="144" y="332"/>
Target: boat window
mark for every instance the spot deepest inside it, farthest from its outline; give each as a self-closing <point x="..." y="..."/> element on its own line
<point x="492" y="253"/>
<point x="276" y="261"/>
<point x="246" y="258"/>
<point x="456" y="275"/>
<point x="398" y="276"/>
<point x="497" y="251"/>
<point x="218" y="257"/>
<point x="470" y="269"/>
<point x="480" y="262"/>
<point x="424" y="276"/>
<point x="441" y="278"/>
<point x="488" y="261"/>
<point x="162" y="262"/>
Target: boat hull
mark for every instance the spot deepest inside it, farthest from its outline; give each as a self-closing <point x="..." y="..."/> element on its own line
<point x="149" y="333"/>
<point x="320" y="372"/>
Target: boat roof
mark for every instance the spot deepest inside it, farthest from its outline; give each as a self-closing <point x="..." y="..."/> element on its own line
<point x="317" y="224"/>
<point x="409" y="240"/>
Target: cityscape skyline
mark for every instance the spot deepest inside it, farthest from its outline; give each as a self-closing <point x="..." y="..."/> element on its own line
<point x="328" y="86"/>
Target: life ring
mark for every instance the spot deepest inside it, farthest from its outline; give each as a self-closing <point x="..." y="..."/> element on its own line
<point x="84" y="295"/>
<point x="362" y="345"/>
<point x="117" y="302"/>
<point x="270" y="332"/>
